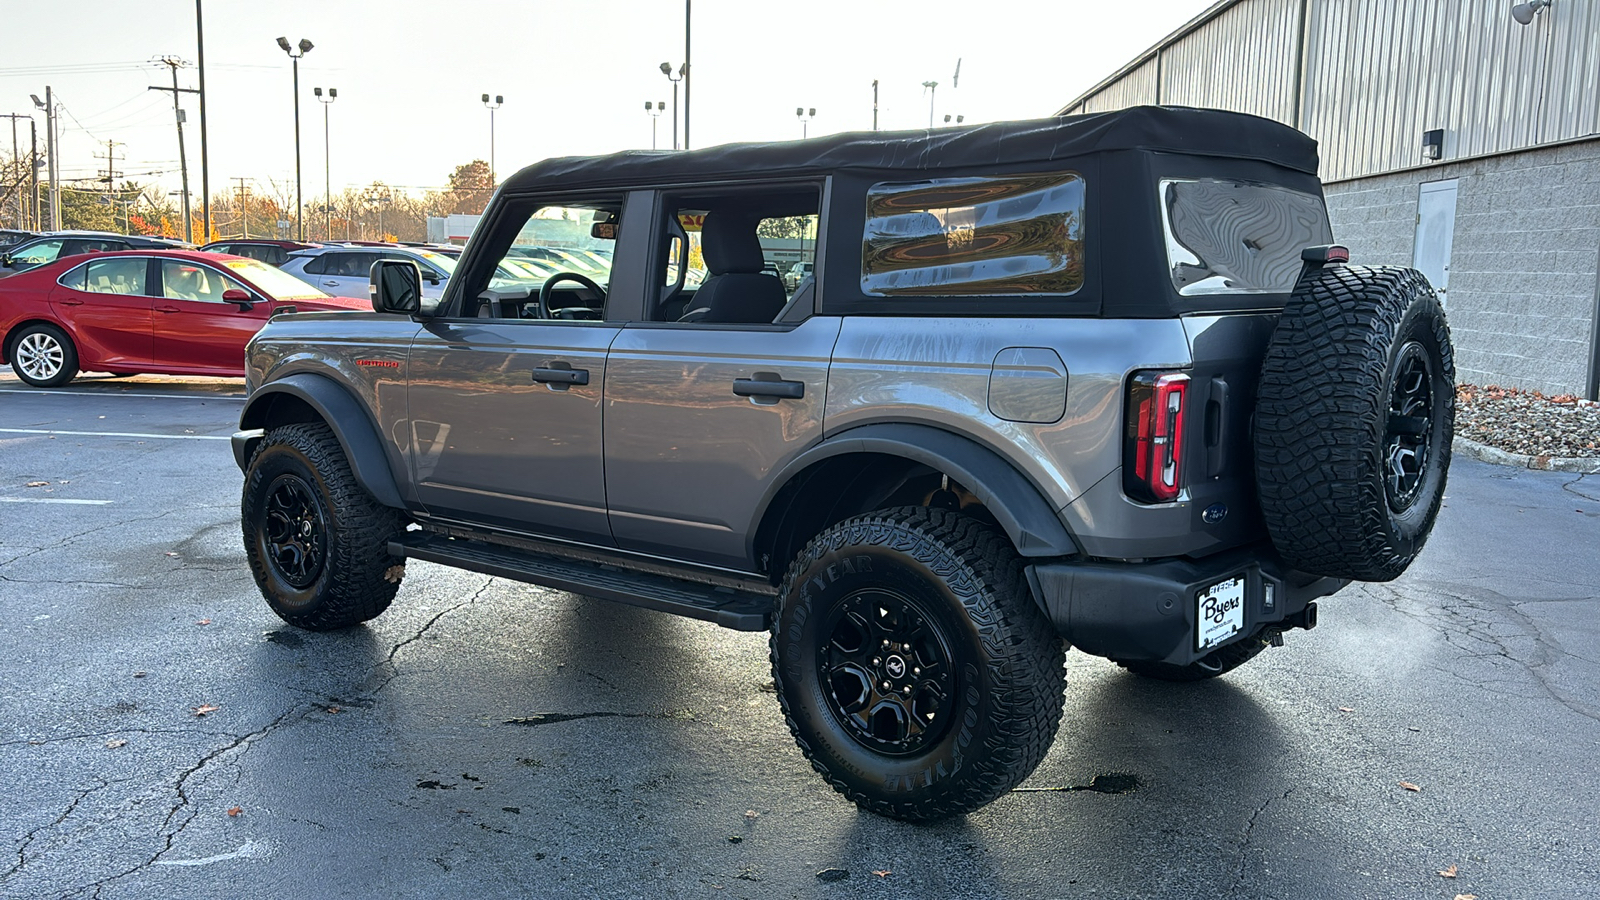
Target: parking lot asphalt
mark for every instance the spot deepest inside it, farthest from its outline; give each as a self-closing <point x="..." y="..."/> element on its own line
<point x="486" y="738"/>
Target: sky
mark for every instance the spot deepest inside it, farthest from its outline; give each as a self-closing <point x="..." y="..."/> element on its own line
<point x="575" y="76"/>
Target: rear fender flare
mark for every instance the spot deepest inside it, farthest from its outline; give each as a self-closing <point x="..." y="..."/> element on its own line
<point x="1036" y="531"/>
<point x="349" y="419"/>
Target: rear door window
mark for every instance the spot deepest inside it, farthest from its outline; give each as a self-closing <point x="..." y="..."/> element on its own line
<point x="1236" y="237"/>
<point x="997" y="235"/>
<point x="123" y="275"/>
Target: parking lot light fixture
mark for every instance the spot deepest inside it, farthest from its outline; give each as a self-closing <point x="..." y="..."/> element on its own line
<point x="666" y="69"/>
<point x="327" y="180"/>
<point x="303" y="48"/>
<point x="805" y="116"/>
<point x="498" y="100"/>
<point x="654" y="111"/>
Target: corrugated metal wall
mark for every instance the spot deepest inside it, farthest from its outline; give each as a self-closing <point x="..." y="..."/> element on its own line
<point x="1243" y="60"/>
<point x="1136" y="88"/>
<point x="1377" y="73"/>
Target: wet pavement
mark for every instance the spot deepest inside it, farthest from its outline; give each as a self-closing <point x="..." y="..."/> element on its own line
<point x="486" y="738"/>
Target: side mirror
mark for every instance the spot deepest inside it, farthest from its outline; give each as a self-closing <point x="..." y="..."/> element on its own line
<point x="395" y="286"/>
<point x="5" y="261"/>
<point x="239" y="298"/>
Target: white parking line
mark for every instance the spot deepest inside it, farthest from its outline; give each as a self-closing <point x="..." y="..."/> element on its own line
<point x="124" y="394"/>
<point x="54" y="500"/>
<point x="120" y="434"/>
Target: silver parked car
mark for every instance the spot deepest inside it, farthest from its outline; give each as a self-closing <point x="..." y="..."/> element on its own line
<point x="344" y="271"/>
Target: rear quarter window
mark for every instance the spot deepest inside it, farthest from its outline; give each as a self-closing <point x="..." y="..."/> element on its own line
<point x="1237" y="237"/>
<point x="990" y="235"/>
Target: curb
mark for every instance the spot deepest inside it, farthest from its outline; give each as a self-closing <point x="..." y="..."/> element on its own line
<point x="1580" y="464"/>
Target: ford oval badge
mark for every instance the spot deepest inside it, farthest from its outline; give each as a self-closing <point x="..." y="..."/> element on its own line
<point x="1215" y="513"/>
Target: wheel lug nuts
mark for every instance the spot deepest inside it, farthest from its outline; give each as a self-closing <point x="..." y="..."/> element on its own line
<point x="886" y="643"/>
<point x="886" y="686"/>
<point x="916" y="671"/>
<point x="877" y="661"/>
<point x="906" y="647"/>
<point x="906" y="689"/>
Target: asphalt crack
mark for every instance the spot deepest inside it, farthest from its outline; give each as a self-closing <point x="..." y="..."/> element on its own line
<point x="1249" y="831"/>
<point x="27" y="839"/>
<point x="388" y="661"/>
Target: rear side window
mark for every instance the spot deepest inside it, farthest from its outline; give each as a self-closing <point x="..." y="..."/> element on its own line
<point x="317" y="265"/>
<point x="1003" y="235"/>
<point x="123" y="275"/>
<point x="1235" y="237"/>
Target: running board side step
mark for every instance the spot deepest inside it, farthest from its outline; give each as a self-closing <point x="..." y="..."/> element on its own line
<point x="730" y="608"/>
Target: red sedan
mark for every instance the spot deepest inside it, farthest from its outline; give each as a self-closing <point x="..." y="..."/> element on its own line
<point x="167" y="312"/>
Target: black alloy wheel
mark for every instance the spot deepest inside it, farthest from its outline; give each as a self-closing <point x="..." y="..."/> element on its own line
<point x="887" y="672"/>
<point x="1407" y="438"/>
<point x="296" y="531"/>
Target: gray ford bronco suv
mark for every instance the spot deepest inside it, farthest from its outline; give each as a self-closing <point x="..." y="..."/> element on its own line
<point x="1099" y="381"/>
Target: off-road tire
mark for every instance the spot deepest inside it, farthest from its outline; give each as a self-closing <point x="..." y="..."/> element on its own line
<point x="1218" y="662"/>
<point x="357" y="578"/>
<point x="43" y="338"/>
<point x="1325" y="430"/>
<point x="961" y="583"/>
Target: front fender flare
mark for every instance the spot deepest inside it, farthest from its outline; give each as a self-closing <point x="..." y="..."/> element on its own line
<point x="1019" y="506"/>
<point x="350" y="421"/>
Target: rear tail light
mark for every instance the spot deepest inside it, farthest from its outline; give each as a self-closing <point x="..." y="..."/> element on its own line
<point x="1153" y="449"/>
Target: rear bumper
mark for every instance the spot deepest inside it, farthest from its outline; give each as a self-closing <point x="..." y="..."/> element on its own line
<point x="1147" y="611"/>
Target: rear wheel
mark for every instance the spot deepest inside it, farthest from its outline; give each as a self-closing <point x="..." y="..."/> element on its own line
<point x="316" y="541"/>
<point x="914" y="668"/>
<point x="43" y="356"/>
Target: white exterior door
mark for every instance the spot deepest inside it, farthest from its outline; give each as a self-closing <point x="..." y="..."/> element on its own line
<point x="1436" y="230"/>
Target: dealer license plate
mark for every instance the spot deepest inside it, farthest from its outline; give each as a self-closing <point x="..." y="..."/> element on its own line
<point x="1219" y="613"/>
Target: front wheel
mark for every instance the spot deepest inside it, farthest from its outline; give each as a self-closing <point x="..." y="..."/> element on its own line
<point x="44" y="356"/>
<point x="316" y="541"/>
<point x="914" y="669"/>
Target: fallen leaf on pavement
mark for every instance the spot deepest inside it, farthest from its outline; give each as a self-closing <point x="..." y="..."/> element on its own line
<point x="208" y="708"/>
<point x="115" y="743"/>
<point x="1346" y="709"/>
<point x="333" y="709"/>
<point x="235" y="810"/>
<point x="1409" y="786"/>
<point x="138" y="674"/>
<point x="1466" y="897"/>
<point x="203" y="622"/>
<point x="882" y="873"/>
<point x="751" y="814"/>
<point x="1449" y="872"/>
<point x="171" y="553"/>
<point x="38" y="484"/>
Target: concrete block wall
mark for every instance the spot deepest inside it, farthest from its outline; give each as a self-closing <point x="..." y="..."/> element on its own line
<point x="1524" y="261"/>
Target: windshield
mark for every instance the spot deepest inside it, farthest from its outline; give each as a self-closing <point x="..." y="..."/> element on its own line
<point x="274" y="282"/>
<point x="443" y="263"/>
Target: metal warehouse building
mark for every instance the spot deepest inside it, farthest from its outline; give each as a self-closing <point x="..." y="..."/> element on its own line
<point x="1454" y="138"/>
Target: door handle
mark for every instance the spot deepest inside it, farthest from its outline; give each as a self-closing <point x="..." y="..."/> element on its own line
<point x="563" y="377"/>
<point x="330" y="284"/>
<point x="71" y="302"/>
<point x="168" y="309"/>
<point x="754" y="387"/>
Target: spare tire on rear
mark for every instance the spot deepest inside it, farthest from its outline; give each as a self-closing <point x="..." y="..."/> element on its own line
<point x="1354" y="418"/>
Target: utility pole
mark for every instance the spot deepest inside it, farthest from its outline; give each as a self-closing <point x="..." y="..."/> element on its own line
<point x="175" y="64"/>
<point x="16" y="163"/>
<point x="933" y="89"/>
<point x="688" y="21"/>
<point x="874" y="104"/>
<point x="110" y="178"/>
<point x="33" y="170"/>
<point x="205" y="156"/>
<point x="244" y="208"/>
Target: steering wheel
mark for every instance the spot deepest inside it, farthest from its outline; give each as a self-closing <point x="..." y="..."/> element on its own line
<point x="544" y="292"/>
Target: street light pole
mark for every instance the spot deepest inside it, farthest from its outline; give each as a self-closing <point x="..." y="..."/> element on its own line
<point x="48" y="104"/>
<point x="805" y="116"/>
<point x="299" y="195"/>
<point x="498" y="102"/>
<point x="666" y="69"/>
<point x="688" y="22"/>
<point x="327" y="180"/>
<point x="933" y="89"/>
<point x="205" y="150"/>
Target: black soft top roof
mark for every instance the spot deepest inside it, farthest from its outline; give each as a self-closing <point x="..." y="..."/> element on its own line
<point x="1173" y="129"/>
